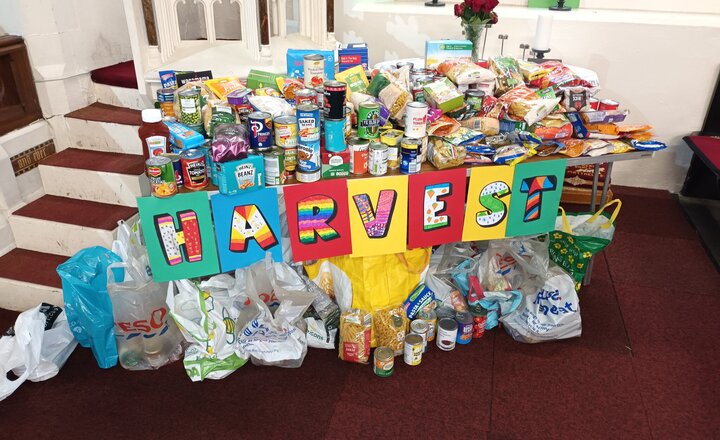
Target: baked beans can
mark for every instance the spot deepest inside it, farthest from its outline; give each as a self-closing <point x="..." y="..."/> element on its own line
<point x="368" y="120"/>
<point x="608" y="104"/>
<point x="261" y="131"/>
<point x="334" y="99"/>
<point x="413" y="349"/>
<point x="430" y="317"/>
<point x="392" y="139"/>
<point x="274" y="161"/>
<point x="161" y="174"/>
<point x="308" y="121"/>
<point x="177" y="168"/>
<point x="447" y="331"/>
<point x="474" y="99"/>
<point x="308" y="157"/>
<point x="307" y="176"/>
<point x="416" y="119"/>
<point x="384" y="360"/>
<point x="358" y="155"/>
<point x="464" y="327"/>
<point x="290" y="160"/>
<point x="410" y="155"/>
<point x="306" y="96"/>
<point x="420" y="327"/>
<point x="194" y="168"/>
<point x="334" y="134"/>
<point x="377" y="159"/>
<point x="313" y="70"/>
<point x="478" y="326"/>
<point x="285" y="131"/>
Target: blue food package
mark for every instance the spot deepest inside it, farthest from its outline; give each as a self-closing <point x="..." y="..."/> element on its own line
<point x="418" y="299"/>
<point x="183" y="137"/>
<point x="579" y="129"/>
<point x="167" y="79"/>
<point x="648" y="145"/>
<point x="295" y="62"/>
<point x="351" y="55"/>
<point x="240" y="176"/>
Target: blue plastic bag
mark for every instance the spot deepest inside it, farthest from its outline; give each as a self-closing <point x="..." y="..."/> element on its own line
<point x="87" y="303"/>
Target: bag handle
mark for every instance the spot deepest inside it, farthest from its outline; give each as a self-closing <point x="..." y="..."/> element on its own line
<point x="613" y="216"/>
<point x="565" y="223"/>
<point x="404" y="261"/>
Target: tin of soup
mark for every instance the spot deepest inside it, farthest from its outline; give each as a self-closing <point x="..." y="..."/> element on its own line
<point x="358" y="155"/>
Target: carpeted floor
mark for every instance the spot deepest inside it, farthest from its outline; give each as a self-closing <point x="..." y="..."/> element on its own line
<point x="645" y="367"/>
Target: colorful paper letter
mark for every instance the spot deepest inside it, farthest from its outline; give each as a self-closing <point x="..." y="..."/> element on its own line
<point x="318" y="220"/>
<point x="537" y="189"/>
<point x="179" y="236"/>
<point x="378" y="215"/>
<point x="247" y="226"/>
<point x="436" y="202"/>
<point x="489" y="196"/>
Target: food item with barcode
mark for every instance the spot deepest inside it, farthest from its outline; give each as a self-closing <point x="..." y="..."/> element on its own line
<point x="389" y="326"/>
<point x="355" y="329"/>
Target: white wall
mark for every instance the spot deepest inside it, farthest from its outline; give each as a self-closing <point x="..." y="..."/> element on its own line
<point x="663" y="70"/>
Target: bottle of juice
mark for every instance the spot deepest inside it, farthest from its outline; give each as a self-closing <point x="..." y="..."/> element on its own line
<point x="154" y="135"/>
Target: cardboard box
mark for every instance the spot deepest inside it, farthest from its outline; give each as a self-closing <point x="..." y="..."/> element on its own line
<point x="183" y="137"/>
<point x="257" y="79"/>
<point x="334" y="164"/>
<point x="437" y="51"/>
<point x="295" y="68"/>
<point x="444" y="95"/>
<point x="241" y="176"/>
<point x="351" y="55"/>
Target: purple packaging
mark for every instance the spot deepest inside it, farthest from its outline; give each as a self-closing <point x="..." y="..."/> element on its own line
<point x="239" y="97"/>
<point x="230" y="143"/>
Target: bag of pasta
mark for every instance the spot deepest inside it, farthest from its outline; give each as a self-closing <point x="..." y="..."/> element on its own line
<point x="389" y="326"/>
<point x="355" y="329"/>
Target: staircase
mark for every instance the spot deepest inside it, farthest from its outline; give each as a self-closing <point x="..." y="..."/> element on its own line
<point x="89" y="185"/>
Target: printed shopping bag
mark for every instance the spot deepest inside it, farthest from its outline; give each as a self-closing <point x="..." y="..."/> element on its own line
<point x="577" y="237"/>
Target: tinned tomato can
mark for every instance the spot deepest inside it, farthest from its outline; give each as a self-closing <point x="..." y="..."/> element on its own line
<point x="384" y="360"/>
<point x="194" y="169"/>
<point x="478" y="326"/>
<point x="162" y="176"/>
<point x="358" y="155"/>
<point x="306" y="96"/>
<point x="313" y="70"/>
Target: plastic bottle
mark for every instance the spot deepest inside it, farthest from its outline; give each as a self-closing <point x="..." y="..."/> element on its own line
<point x="154" y="135"/>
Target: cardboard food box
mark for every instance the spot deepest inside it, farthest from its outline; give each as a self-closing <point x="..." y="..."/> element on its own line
<point x="257" y="79"/>
<point x="295" y="66"/>
<point x="351" y="55"/>
<point x="437" y="51"/>
<point x="240" y="176"/>
<point x="444" y="95"/>
<point x="335" y="164"/>
<point x="183" y="137"/>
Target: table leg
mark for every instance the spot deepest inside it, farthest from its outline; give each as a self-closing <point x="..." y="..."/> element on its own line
<point x="596" y="177"/>
<point x="606" y="185"/>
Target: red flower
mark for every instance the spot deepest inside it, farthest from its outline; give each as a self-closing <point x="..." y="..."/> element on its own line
<point x="493" y="18"/>
<point x="459" y="9"/>
<point x="489" y="5"/>
<point x="476" y="5"/>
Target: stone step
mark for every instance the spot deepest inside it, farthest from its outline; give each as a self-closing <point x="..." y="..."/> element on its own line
<point x="102" y="127"/>
<point x="119" y="96"/>
<point x="98" y="176"/>
<point x="28" y="278"/>
<point x="63" y="226"/>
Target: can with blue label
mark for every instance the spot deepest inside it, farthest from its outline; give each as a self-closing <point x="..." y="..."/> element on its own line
<point x="410" y="155"/>
<point x="334" y="135"/>
<point x="261" y="131"/>
<point x="209" y="162"/>
<point x="308" y="121"/>
<point x="177" y="168"/>
<point x="308" y="156"/>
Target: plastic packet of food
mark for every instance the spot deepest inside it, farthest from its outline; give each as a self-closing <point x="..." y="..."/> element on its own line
<point x="549" y="149"/>
<point x="533" y="111"/>
<point x="463" y="72"/>
<point x="508" y="73"/>
<point x="290" y="87"/>
<point x="443" y="126"/>
<point x="648" y="145"/>
<point x="506" y="154"/>
<point x="597" y="147"/>
<point x="271" y="104"/>
<point x="620" y="146"/>
<point x="230" y="143"/>
<point x="559" y="76"/>
<point x="444" y="154"/>
<point x="573" y="148"/>
<point x="216" y="113"/>
<point x="355" y="332"/>
<point x="643" y="136"/>
<point x="487" y="126"/>
<point x="222" y="87"/>
<point x="266" y="91"/>
<point x="389" y="325"/>
<point x="627" y="128"/>
<point x="519" y="92"/>
<point x="464" y="135"/>
<point x="554" y="126"/>
<point x="531" y="71"/>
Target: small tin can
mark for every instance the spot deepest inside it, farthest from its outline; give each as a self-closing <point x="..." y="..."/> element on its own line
<point x="594" y="103"/>
<point x="431" y="319"/>
<point x="349" y="113"/>
<point x="418" y="92"/>
<point x="274" y="161"/>
<point x="190" y="108"/>
<point x="416" y="119"/>
<point x="368" y="120"/>
<point x="478" y="326"/>
<point x="194" y="168"/>
<point x="334" y="134"/>
<point x="308" y="120"/>
<point x="410" y="155"/>
<point x="308" y="157"/>
<point x="608" y="104"/>
<point x="464" y="327"/>
<point x="209" y="163"/>
<point x="307" y="176"/>
<point x="392" y="139"/>
<point x="320" y="96"/>
<point x="420" y="327"/>
<point x="285" y="128"/>
<point x="401" y="64"/>
<point x="313" y="70"/>
<point x="306" y="96"/>
<point x="413" y="349"/>
<point x="261" y="131"/>
<point x="474" y="99"/>
<point x="384" y="359"/>
<point x="377" y="159"/>
<point x="358" y="155"/>
<point x="166" y="98"/>
<point x="290" y="161"/>
<point x="419" y="72"/>
<point x="162" y="176"/>
<point x="177" y="168"/>
<point x="334" y="99"/>
<point x="447" y="331"/>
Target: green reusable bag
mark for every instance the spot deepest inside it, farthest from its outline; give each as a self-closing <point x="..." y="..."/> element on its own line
<point x="577" y="237"/>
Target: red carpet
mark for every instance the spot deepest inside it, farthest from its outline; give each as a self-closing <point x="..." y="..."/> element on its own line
<point x="118" y="75"/>
<point x="646" y="367"/>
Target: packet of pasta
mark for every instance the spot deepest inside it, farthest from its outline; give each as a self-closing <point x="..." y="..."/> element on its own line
<point x="389" y="326"/>
<point x="355" y="329"/>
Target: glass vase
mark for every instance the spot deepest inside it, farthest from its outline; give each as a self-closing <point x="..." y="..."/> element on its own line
<point x="474" y="33"/>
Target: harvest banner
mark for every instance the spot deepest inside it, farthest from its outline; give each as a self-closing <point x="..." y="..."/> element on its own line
<point x="358" y="217"/>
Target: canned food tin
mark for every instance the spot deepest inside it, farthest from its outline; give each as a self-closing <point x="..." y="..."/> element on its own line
<point x="418" y="92"/>
<point x="608" y="104"/>
<point x="290" y="160"/>
<point x="209" y="163"/>
<point x="418" y="73"/>
<point x="392" y="139"/>
<point x="166" y="98"/>
<point x="464" y="328"/>
<point x="308" y="157"/>
<point x="334" y="99"/>
<point x="307" y="176"/>
<point x="358" y="155"/>
<point x="413" y="349"/>
<point x="368" y="120"/>
<point x="285" y="131"/>
<point x="378" y="159"/>
<point x="410" y="155"/>
<point x="194" y="168"/>
<point x="431" y="319"/>
<point x="320" y="96"/>
<point x="313" y="70"/>
<point x="478" y="326"/>
<point x="447" y="330"/>
<point x="420" y="327"/>
<point x="162" y="176"/>
<point x="348" y="119"/>
<point x="474" y="99"/>
<point x="274" y="161"/>
<point x="190" y="106"/>
<point x="384" y="361"/>
<point x="334" y="135"/>
<point x="261" y="131"/>
<point x="415" y="119"/>
<point x="177" y="168"/>
<point x="306" y="96"/>
<point x="308" y="120"/>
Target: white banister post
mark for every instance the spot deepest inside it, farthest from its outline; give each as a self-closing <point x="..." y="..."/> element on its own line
<point x="209" y="19"/>
<point x="282" y="18"/>
<point x="138" y="43"/>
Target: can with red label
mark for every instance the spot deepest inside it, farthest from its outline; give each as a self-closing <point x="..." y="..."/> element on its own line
<point x="261" y="131"/>
<point x="416" y="119"/>
<point x="478" y="326"/>
<point x="358" y="155"/>
<point x="334" y="99"/>
<point x="313" y="70"/>
<point x="194" y="169"/>
<point x="608" y="104"/>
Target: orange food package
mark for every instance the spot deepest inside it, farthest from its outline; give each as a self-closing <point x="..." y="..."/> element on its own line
<point x="603" y="128"/>
<point x="573" y="148"/>
<point x="627" y="128"/>
<point x="519" y="92"/>
<point x="443" y="126"/>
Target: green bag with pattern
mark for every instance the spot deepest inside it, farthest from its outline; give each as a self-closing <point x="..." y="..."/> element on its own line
<point x="577" y="237"/>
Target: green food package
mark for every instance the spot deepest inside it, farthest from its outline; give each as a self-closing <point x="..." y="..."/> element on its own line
<point x="258" y="79"/>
